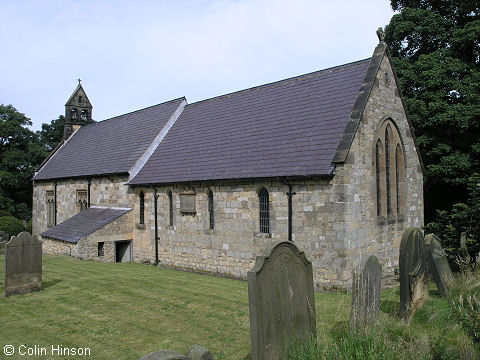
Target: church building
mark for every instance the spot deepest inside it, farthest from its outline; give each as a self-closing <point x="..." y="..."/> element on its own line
<point x="327" y="160"/>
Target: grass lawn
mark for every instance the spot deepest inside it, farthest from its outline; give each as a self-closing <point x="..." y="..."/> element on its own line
<point x="127" y="310"/>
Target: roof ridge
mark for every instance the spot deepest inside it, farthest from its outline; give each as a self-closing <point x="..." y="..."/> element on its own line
<point x="310" y="74"/>
<point x="133" y="112"/>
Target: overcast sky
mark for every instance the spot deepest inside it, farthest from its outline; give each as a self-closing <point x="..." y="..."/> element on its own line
<point x="134" y="54"/>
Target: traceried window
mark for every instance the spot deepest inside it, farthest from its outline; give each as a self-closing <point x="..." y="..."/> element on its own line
<point x="264" y="211"/>
<point x="82" y="201"/>
<point x="211" y="210"/>
<point x="389" y="163"/>
<point x="50" y="208"/>
<point x="141" y="219"/>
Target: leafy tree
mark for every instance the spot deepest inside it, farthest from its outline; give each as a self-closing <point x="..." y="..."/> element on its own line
<point x="11" y="225"/>
<point x="435" y="45"/>
<point x="51" y="134"/>
<point x="20" y="153"/>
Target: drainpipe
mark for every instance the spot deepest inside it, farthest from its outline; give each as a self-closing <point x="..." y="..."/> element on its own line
<point x="55" y="206"/>
<point x="155" y="198"/>
<point x="290" y="211"/>
<point x="88" y="192"/>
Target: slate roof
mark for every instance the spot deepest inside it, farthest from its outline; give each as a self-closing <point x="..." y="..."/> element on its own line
<point x="110" y="146"/>
<point x="84" y="223"/>
<point x="287" y="128"/>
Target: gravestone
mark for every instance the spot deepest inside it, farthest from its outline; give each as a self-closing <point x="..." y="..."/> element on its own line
<point x="413" y="273"/>
<point x="438" y="264"/>
<point x="282" y="305"/>
<point x="463" y="247"/>
<point x="197" y="352"/>
<point x="23" y="264"/>
<point x="366" y="285"/>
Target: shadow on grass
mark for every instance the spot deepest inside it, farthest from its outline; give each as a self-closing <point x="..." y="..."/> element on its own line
<point x="49" y="283"/>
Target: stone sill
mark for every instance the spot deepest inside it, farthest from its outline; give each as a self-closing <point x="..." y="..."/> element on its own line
<point x="141" y="226"/>
<point x="209" y="232"/>
<point x="263" y="235"/>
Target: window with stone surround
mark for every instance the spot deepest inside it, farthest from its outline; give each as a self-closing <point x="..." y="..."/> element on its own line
<point x="170" y="208"/>
<point x="264" y="207"/>
<point x="50" y="195"/>
<point x="211" y="210"/>
<point x="82" y="201"/>
<point x="101" y="251"/>
<point x="141" y="219"/>
<point x="389" y="164"/>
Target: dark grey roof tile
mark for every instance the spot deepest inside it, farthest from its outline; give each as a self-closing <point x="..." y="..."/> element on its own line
<point x="287" y="128"/>
<point x="109" y="146"/>
<point x="84" y="223"/>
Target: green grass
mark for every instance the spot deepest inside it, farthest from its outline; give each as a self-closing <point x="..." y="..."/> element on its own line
<point x="125" y="311"/>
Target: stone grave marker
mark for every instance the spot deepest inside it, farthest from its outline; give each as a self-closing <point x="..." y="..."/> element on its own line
<point x="23" y="264"/>
<point x="366" y="285"/>
<point x="282" y="305"/>
<point x="438" y="264"/>
<point x="413" y="273"/>
<point x="463" y="247"/>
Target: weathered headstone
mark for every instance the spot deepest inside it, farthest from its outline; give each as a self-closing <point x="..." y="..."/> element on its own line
<point x="413" y="273"/>
<point x="23" y="264"/>
<point x="438" y="264"/>
<point x="282" y="304"/>
<point x="463" y="247"/>
<point x="366" y="285"/>
<point x="197" y="352"/>
<point x="165" y="355"/>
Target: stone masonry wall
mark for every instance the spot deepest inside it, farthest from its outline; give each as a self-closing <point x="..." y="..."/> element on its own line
<point x="364" y="232"/>
<point x="104" y="191"/>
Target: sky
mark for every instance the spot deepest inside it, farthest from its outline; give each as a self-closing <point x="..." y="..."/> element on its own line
<point x="134" y="54"/>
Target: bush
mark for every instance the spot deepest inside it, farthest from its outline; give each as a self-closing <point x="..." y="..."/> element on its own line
<point x="465" y="299"/>
<point x="11" y="225"/>
<point x="4" y="213"/>
<point x="29" y="226"/>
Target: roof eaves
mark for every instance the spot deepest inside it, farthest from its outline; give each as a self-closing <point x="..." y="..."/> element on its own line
<point x="356" y="114"/>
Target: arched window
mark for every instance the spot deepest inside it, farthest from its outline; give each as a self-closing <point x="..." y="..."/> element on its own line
<point x="211" y="210"/>
<point x="73" y="113"/>
<point x="387" y="169"/>
<point x="142" y="208"/>
<point x="264" y="211"/>
<point x="170" y="208"/>
<point x="389" y="163"/>
<point x="84" y="115"/>
<point x="378" y="147"/>
<point x="399" y="178"/>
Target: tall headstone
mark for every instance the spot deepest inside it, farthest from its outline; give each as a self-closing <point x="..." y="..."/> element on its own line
<point x="438" y="264"/>
<point x="281" y="299"/>
<point x="366" y="285"/>
<point x="23" y="264"/>
<point x="413" y="273"/>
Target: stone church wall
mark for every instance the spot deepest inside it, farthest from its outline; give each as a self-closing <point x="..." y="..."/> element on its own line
<point x="104" y="191"/>
<point x="365" y="233"/>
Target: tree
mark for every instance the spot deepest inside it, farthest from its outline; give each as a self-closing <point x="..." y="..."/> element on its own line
<point x="435" y="45"/>
<point x="51" y="134"/>
<point x="20" y="153"/>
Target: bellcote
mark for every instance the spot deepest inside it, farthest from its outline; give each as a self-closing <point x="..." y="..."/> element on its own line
<point x="78" y="111"/>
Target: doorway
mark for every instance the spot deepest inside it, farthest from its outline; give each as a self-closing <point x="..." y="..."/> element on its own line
<point x="123" y="251"/>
